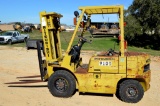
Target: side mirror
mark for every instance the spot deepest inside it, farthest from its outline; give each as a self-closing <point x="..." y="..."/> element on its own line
<point x="76" y="13"/>
<point x="14" y="35"/>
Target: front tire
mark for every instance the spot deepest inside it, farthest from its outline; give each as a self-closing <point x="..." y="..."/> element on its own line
<point x="62" y="84"/>
<point x="10" y="42"/>
<point x="130" y="91"/>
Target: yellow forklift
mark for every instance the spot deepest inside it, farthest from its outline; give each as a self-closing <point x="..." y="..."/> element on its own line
<point x="125" y="74"/>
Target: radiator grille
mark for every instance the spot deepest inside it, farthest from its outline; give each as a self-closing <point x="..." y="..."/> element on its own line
<point x="1" y="39"/>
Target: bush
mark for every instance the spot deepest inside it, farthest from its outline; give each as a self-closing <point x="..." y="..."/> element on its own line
<point x="144" y="40"/>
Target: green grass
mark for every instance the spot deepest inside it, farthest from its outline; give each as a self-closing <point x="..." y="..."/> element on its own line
<point x="33" y="35"/>
<point x="149" y="51"/>
<point x="98" y="43"/>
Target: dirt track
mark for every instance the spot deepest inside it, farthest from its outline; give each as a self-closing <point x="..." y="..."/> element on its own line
<point x="15" y="63"/>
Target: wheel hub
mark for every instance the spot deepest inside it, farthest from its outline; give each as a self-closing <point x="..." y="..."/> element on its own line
<point x="131" y="92"/>
<point x="61" y="84"/>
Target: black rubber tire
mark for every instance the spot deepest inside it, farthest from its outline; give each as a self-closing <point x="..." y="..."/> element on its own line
<point x="130" y="91"/>
<point x="117" y="92"/>
<point x="62" y="84"/>
<point x="25" y="40"/>
<point x="10" y="42"/>
<point x="27" y="48"/>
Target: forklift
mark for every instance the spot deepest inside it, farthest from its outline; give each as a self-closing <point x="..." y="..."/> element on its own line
<point x="123" y="73"/>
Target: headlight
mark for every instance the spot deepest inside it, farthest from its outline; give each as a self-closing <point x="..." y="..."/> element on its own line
<point x="146" y="67"/>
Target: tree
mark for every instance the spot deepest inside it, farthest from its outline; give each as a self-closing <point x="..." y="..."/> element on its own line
<point x="132" y="29"/>
<point x="143" y="24"/>
<point x="147" y="13"/>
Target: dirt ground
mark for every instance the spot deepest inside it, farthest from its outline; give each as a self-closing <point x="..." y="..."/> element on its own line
<point x="18" y="90"/>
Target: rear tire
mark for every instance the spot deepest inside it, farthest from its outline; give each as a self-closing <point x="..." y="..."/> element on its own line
<point x="130" y="91"/>
<point x="25" y="40"/>
<point x="62" y="84"/>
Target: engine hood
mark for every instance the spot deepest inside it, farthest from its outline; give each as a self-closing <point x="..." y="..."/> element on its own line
<point x="3" y="36"/>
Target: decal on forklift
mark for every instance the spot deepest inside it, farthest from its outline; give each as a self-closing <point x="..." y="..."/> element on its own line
<point x="43" y="21"/>
<point x="121" y="59"/>
<point x="103" y="58"/>
<point x="46" y="42"/>
<point x="105" y="63"/>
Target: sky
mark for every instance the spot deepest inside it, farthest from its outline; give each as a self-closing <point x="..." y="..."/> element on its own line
<point x="27" y="11"/>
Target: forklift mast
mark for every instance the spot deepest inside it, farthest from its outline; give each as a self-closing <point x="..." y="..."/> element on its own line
<point x="50" y="32"/>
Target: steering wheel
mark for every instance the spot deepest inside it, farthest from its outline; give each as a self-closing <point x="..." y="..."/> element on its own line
<point x="84" y="39"/>
<point x="110" y="52"/>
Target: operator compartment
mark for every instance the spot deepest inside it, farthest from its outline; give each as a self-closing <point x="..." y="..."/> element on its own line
<point x="101" y="62"/>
